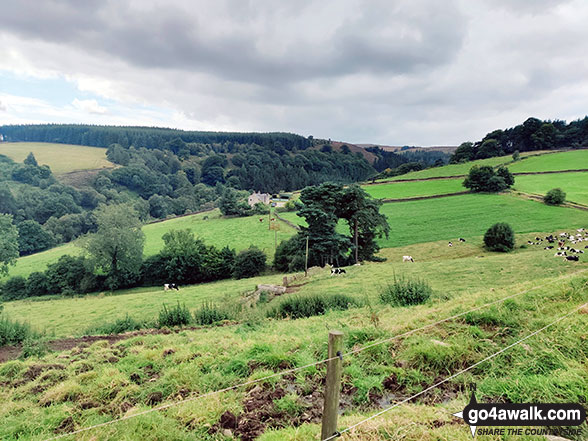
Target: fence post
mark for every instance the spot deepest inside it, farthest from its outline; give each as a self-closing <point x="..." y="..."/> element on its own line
<point x="333" y="385"/>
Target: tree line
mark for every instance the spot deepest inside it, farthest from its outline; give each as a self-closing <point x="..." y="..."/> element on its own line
<point x="533" y="134"/>
<point x="113" y="259"/>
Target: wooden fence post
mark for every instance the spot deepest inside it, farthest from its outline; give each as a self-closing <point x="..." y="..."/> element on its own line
<point x="333" y="385"/>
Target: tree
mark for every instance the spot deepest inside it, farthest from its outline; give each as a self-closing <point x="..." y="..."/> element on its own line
<point x="184" y="256"/>
<point x="516" y="155"/>
<point x="555" y="196"/>
<point x="8" y="243"/>
<point x="116" y="248"/>
<point x="489" y="149"/>
<point x="32" y="237"/>
<point x="500" y="237"/>
<point x="249" y="263"/>
<point x="465" y="152"/>
<point x="30" y="160"/>
<point x="484" y="178"/>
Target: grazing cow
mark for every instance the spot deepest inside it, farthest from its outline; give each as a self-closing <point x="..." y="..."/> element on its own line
<point x="337" y="271"/>
<point x="261" y="219"/>
<point x="273" y="219"/>
<point x="539" y="239"/>
<point x="586" y="247"/>
<point x="407" y="259"/>
<point x="462" y="239"/>
<point x="530" y="243"/>
<point x="560" y="254"/>
<point x="548" y="248"/>
<point x="561" y="243"/>
<point x="166" y="287"/>
<point x="572" y="258"/>
<point x="449" y="244"/>
<point x="579" y="230"/>
<point x="169" y="286"/>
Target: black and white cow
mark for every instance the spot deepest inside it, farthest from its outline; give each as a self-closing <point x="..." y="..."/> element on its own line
<point x="169" y="286"/>
<point x="337" y="271"/>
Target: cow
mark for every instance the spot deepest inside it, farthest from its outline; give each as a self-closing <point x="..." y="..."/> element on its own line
<point x="572" y="258"/>
<point x="560" y="254"/>
<point x="261" y="219"/>
<point x="449" y="244"/>
<point x="407" y="259"/>
<point x="169" y="286"/>
<point x="461" y="239"/>
<point x="550" y="247"/>
<point x="337" y="271"/>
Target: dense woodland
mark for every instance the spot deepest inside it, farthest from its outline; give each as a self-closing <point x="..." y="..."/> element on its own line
<point x="533" y="134"/>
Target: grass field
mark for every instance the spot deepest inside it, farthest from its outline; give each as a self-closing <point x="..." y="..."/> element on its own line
<point x="57" y="393"/>
<point x="61" y="158"/>
<point x="574" y="184"/>
<point x="573" y="160"/>
<point x="533" y="162"/>
<point x="465" y="268"/>
<point x="402" y="190"/>
<point x="467" y="216"/>
<point x="238" y="233"/>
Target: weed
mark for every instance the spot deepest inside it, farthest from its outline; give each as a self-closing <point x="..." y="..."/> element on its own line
<point x="176" y="316"/>
<point x="405" y="292"/>
<point x="308" y="306"/>
<point x="14" y="332"/>
<point x="209" y="314"/>
<point x="118" y="326"/>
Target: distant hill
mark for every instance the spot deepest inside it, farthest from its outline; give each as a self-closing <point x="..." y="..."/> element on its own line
<point x="400" y="149"/>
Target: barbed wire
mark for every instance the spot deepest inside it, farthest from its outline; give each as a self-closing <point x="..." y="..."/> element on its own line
<point x="306" y="366"/>
<point x="347" y="429"/>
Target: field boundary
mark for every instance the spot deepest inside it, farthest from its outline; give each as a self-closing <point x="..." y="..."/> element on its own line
<point x="539" y="198"/>
<point x="420" y="198"/>
<point x="287" y="222"/>
<point x="437" y="178"/>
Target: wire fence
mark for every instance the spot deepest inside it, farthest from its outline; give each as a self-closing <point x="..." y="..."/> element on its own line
<point x="469" y="368"/>
<point x="320" y="362"/>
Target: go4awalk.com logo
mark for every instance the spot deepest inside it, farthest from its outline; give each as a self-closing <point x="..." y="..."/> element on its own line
<point x="486" y="418"/>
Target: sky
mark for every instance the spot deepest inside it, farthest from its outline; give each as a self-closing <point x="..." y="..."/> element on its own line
<point x="392" y="72"/>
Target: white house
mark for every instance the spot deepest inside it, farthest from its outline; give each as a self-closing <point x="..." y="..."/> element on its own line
<point x="256" y="198"/>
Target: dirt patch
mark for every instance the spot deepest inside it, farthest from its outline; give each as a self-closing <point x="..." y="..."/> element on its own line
<point x="35" y="371"/>
<point x="260" y="411"/>
<point x="67" y="425"/>
<point x="154" y="398"/>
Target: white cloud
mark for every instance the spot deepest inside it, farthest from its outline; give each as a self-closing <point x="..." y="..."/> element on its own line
<point x="405" y="72"/>
<point x="89" y="106"/>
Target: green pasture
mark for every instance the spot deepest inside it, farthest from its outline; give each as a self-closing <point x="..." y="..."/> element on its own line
<point x="238" y="233"/>
<point x="572" y="160"/>
<point x="467" y="216"/>
<point x="463" y="268"/>
<point x="574" y="184"/>
<point x="61" y="392"/>
<point x="61" y="158"/>
<point x="402" y="190"/>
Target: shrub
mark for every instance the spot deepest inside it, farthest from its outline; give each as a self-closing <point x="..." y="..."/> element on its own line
<point x="516" y="155"/>
<point x="555" y="196"/>
<point x="176" y="316"/>
<point x="249" y="263"/>
<point x="209" y="314"/>
<point x="14" y="332"/>
<point x="500" y="237"/>
<point x="404" y="292"/>
<point x="308" y="306"/>
<point x="36" y="284"/>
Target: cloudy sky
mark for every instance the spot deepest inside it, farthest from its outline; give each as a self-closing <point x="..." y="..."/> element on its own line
<point x="414" y="72"/>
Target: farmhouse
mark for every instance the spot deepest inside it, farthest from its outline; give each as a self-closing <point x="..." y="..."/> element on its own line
<point x="256" y="198"/>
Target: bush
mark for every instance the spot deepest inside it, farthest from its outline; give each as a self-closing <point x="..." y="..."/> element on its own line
<point x="249" y="263"/>
<point x="555" y="196"/>
<point x="36" y="284"/>
<point x="309" y="306"/>
<point x="516" y="155"/>
<point x="209" y="314"/>
<point x="14" y="332"/>
<point x="500" y="237"/>
<point x="404" y="292"/>
<point x="176" y="316"/>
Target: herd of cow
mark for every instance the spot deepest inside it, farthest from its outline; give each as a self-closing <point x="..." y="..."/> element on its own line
<point x="411" y="259"/>
<point x="563" y="248"/>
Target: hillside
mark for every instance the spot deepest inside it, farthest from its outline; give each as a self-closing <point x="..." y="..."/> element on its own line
<point x="61" y="158"/>
<point x="238" y="233"/>
<point x="511" y="295"/>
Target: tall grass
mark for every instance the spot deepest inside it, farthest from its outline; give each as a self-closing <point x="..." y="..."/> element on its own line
<point x="405" y="292"/>
<point x="308" y="306"/>
<point x="177" y="316"/>
<point x="15" y="332"/>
